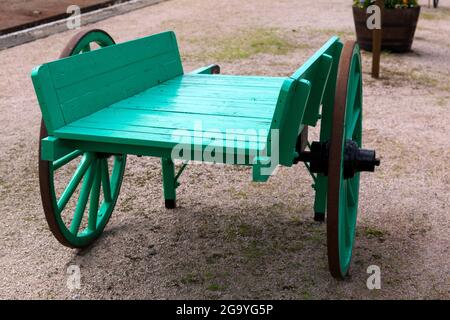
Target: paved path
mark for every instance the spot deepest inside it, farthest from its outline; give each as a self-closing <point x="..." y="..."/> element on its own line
<point x="14" y="13"/>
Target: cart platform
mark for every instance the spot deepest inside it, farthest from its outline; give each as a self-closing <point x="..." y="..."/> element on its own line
<point x="159" y="116"/>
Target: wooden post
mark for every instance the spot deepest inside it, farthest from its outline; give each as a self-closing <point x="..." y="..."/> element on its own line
<point x="376" y="43"/>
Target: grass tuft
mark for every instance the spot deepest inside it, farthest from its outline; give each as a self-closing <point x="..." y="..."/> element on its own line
<point x="246" y="44"/>
<point x="190" y="278"/>
<point x="216" y="287"/>
<point x="374" y="232"/>
<point x="441" y="14"/>
<point x="253" y="251"/>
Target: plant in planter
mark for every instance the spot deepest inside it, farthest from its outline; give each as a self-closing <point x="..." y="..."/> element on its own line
<point x="398" y="22"/>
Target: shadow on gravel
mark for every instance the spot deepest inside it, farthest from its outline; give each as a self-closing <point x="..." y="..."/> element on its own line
<point x="237" y="253"/>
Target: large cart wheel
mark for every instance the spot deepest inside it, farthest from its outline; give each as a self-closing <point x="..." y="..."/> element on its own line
<point x="100" y="176"/>
<point x="343" y="187"/>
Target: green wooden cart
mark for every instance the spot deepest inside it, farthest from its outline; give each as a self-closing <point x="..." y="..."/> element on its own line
<point x="133" y="98"/>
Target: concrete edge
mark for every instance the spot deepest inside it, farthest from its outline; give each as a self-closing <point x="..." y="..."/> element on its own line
<point x="23" y="36"/>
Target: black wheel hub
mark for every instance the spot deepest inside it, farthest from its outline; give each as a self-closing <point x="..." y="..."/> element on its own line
<point x="355" y="159"/>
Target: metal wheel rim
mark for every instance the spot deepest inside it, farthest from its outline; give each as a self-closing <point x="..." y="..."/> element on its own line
<point x="342" y="200"/>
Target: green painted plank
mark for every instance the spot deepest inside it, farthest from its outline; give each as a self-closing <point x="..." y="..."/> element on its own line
<point x="283" y="103"/>
<point x="238" y="135"/>
<point x="118" y="118"/>
<point x="47" y="98"/>
<point x="149" y="67"/>
<point x="326" y="48"/>
<point x="91" y="81"/>
<point x="52" y="148"/>
<point x="212" y="92"/>
<point x="301" y="96"/>
<point x="227" y="81"/>
<point x="199" y="110"/>
<point x="222" y="103"/>
<point x="239" y="156"/>
<point x="318" y="77"/>
<point x="230" y="78"/>
<point x="292" y="122"/>
<point x="317" y="70"/>
<point x="189" y="103"/>
<point x="95" y="98"/>
<point x="230" y="100"/>
<point x="148" y="139"/>
<point x="67" y="71"/>
<point x="252" y="97"/>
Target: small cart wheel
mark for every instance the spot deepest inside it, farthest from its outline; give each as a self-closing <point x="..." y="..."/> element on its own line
<point x="342" y="199"/>
<point x="100" y="176"/>
<point x="435" y="3"/>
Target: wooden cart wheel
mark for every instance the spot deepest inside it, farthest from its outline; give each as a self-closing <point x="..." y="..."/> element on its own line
<point x="342" y="201"/>
<point x="100" y="176"/>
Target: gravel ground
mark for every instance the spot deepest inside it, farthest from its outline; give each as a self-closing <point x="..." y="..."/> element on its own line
<point x="231" y="238"/>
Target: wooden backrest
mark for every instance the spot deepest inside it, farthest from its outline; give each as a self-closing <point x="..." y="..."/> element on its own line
<point x="302" y="94"/>
<point x="74" y="87"/>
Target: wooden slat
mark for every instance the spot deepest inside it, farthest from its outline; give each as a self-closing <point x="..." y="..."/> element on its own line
<point x="79" y="68"/>
<point x="236" y="92"/>
<point x="208" y="98"/>
<point x="94" y="80"/>
<point x="161" y="120"/>
<point x="153" y="101"/>
<point x="148" y="139"/>
<point x="301" y="96"/>
<point x="229" y="80"/>
<point x="172" y="120"/>
<point x="239" y="135"/>
<point x="265" y="112"/>
<point x="114" y="76"/>
<point x="47" y="98"/>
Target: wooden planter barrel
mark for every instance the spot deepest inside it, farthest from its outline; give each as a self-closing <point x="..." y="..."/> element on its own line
<point x="398" y="28"/>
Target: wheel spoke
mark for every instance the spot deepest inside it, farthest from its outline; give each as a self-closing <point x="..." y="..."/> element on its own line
<point x="347" y="230"/>
<point x="74" y="181"/>
<point x="66" y="159"/>
<point x="357" y="100"/>
<point x="353" y="92"/>
<point x="82" y="200"/>
<point x="350" y="194"/>
<point x="344" y="212"/>
<point x="86" y="48"/>
<point x="353" y="123"/>
<point x="106" y="185"/>
<point x="94" y="199"/>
